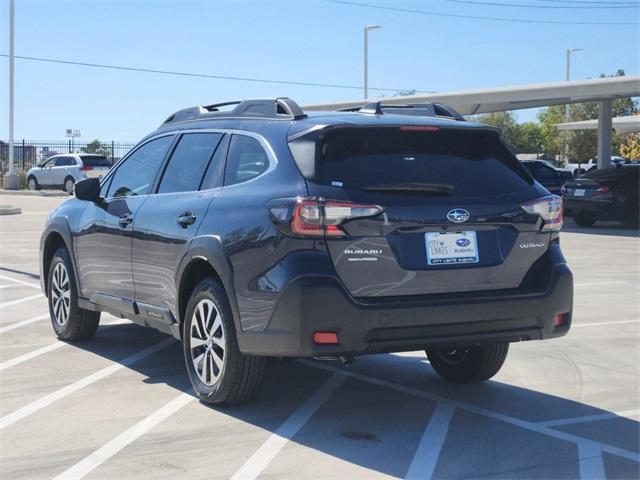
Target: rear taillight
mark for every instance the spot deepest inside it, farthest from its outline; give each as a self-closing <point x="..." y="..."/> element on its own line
<point x="86" y="168"/>
<point x="602" y="190"/>
<point x="317" y="217"/>
<point x="549" y="209"/>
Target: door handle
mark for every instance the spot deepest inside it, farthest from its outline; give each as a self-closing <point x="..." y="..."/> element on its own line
<point x="125" y="220"/>
<point x="186" y="219"/>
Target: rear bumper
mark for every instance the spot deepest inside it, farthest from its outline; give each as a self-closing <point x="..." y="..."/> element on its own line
<point x="593" y="208"/>
<point x="312" y="304"/>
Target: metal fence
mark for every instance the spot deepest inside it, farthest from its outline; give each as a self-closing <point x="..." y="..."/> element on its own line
<point x="27" y="153"/>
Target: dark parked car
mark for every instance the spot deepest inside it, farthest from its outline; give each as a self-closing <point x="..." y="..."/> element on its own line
<point x="607" y="194"/>
<point x="266" y="232"/>
<point x="547" y="175"/>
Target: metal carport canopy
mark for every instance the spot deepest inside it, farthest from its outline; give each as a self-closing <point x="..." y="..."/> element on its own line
<point x="622" y="125"/>
<point x="469" y="102"/>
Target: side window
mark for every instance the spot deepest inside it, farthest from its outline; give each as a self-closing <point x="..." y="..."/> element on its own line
<point x="215" y="172"/>
<point x="136" y="175"/>
<point x="64" y="161"/>
<point x="546" y="173"/>
<point x="246" y="159"/>
<point x="188" y="162"/>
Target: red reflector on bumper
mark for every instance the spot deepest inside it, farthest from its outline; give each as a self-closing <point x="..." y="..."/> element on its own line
<point x="325" y="338"/>
<point x="561" y="319"/>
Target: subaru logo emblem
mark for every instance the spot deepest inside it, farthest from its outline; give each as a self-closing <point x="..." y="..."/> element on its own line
<point x="458" y="215"/>
<point x="463" y="242"/>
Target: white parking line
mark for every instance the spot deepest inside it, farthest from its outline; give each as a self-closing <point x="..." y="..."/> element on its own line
<point x="28" y="356"/>
<point x="603" y="324"/>
<point x="524" y="424"/>
<point x="590" y="461"/>
<point x="97" y="458"/>
<point x="589" y="418"/>
<point x="28" y="321"/>
<point x="20" y="300"/>
<point x="276" y="442"/>
<point x="20" y="282"/>
<point x="46" y="349"/>
<point x="41" y="403"/>
<point x="426" y="457"/>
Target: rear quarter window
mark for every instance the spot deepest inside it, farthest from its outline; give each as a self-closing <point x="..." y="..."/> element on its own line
<point x="91" y="161"/>
<point x="472" y="162"/>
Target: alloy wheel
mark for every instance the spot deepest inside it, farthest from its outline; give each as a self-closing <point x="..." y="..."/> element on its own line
<point x="32" y="184"/>
<point x="207" y="342"/>
<point x="69" y="186"/>
<point x="60" y="294"/>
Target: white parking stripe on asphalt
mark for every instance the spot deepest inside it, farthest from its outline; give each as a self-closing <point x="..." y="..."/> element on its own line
<point x="604" y="324"/>
<point x="46" y="349"/>
<point x="41" y="403"/>
<point x="256" y="464"/>
<point x="589" y="418"/>
<point x="28" y="321"/>
<point x="21" y="300"/>
<point x="426" y="457"/>
<point x="28" y="356"/>
<point x="590" y="461"/>
<point x="97" y="458"/>
<point x="524" y="424"/>
<point x="20" y="282"/>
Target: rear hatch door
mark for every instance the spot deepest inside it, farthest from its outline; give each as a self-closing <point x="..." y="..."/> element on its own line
<point x="451" y="220"/>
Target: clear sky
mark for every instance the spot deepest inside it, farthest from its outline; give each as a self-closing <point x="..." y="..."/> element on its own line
<point x="306" y="41"/>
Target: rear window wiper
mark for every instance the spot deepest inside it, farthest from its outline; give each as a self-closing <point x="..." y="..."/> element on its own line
<point x="436" y="188"/>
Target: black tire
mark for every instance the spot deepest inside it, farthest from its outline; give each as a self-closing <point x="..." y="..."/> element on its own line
<point x="240" y="376"/>
<point x="66" y="188"/>
<point x="584" y="221"/>
<point x="469" y="365"/>
<point x="631" y="216"/>
<point x="32" y="183"/>
<point x="69" y="321"/>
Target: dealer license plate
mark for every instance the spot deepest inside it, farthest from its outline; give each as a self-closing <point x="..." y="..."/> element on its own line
<point x="451" y="248"/>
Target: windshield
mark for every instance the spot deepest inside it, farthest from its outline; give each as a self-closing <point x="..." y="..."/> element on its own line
<point x="462" y="162"/>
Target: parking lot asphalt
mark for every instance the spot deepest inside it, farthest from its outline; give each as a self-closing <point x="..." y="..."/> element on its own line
<point x="119" y="406"/>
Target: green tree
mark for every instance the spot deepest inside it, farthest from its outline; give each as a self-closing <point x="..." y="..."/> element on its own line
<point x="97" y="147"/>
<point x="522" y="138"/>
<point x="630" y="147"/>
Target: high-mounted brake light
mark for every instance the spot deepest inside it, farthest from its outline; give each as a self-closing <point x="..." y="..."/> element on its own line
<point x="419" y="128"/>
<point x="317" y="218"/>
<point x="549" y="209"/>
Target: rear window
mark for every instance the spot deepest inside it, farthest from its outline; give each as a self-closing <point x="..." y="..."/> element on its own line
<point x="93" y="161"/>
<point x="470" y="163"/>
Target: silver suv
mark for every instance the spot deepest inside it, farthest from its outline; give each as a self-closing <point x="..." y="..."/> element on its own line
<point x="63" y="171"/>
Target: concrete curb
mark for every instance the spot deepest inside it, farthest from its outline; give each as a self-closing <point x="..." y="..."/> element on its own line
<point x="35" y="193"/>
<point x="9" y="210"/>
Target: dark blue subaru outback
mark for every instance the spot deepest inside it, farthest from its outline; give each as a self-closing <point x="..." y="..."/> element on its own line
<point x="251" y="230"/>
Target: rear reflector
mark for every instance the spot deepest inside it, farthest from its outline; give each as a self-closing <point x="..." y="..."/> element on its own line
<point x="561" y="319"/>
<point x="325" y="338"/>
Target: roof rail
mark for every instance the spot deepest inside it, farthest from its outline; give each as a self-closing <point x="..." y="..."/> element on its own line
<point x="414" y="109"/>
<point x="283" y="108"/>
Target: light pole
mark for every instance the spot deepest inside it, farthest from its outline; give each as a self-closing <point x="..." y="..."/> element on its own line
<point x="366" y="57"/>
<point x="11" y="180"/>
<point x="73" y="134"/>
<point x="567" y="106"/>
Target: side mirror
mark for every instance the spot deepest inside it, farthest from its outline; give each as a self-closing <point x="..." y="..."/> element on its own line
<point x="88" y="189"/>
